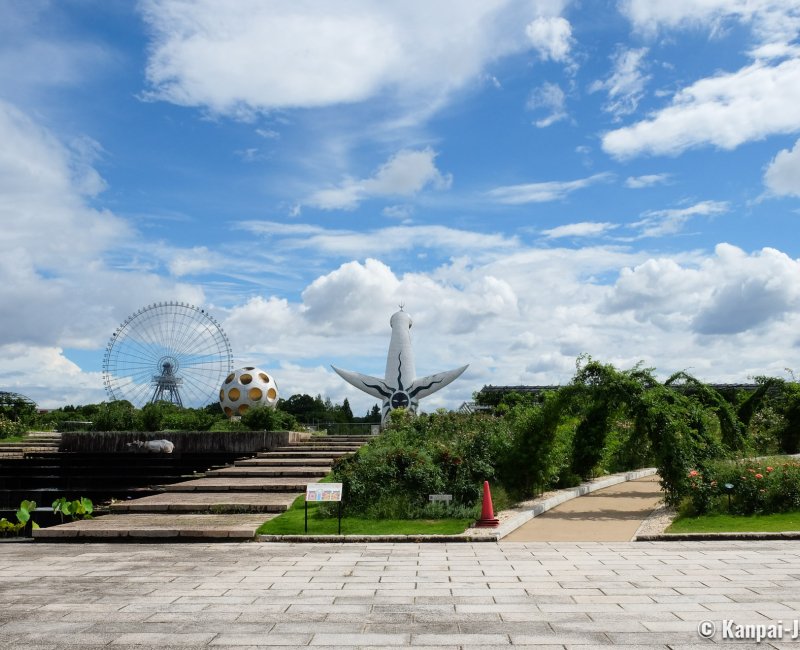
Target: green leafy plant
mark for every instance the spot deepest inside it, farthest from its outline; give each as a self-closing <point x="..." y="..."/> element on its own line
<point x="77" y="509"/>
<point x="23" y="514"/>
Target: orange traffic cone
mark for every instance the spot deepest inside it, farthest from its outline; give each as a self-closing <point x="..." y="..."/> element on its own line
<point x="487" y="519"/>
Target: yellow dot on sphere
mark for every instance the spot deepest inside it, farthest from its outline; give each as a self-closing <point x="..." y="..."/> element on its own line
<point x="264" y="377"/>
<point x="228" y="411"/>
<point x="255" y="394"/>
<point x="229" y="378"/>
<point x="234" y="394"/>
<point x="272" y="393"/>
<point x="246" y="379"/>
<point x="243" y="408"/>
<point x="221" y="394"/>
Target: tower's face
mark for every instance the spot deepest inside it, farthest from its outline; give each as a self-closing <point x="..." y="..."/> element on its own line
<point x="247" y="388"/>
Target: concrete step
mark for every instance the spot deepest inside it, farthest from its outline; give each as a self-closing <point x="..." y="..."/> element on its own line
<point x="242" y="484"/>
<point x="344" y="448"/>
<point x="282" y="462"/>
<point x="293" y="471"/>
<point x="302" y="454"/>
<point x="158" y="527"/>
<point x="208" y="502"/>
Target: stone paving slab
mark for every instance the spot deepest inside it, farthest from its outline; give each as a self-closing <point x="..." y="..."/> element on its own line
<point x="242" y="484"/>
<point x="149" y="526"/>
<point x="282" y="462"/>
<point x="302" y="454"/>
<point x="207" y="501"/>
<point x="240" y="595"/>
<point x="294" y="471"/>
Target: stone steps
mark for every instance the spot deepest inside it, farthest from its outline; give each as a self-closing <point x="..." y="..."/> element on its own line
<point x="240" y="484"/>
<point x="291" y="470"/>
<point x="208" y="527"/>
<point x="282" y="462"/>
<point x="227" y="503"/>
<point x="302" y="454"/>
<point x="208" y="502"/>
<point x="35" y="442"/>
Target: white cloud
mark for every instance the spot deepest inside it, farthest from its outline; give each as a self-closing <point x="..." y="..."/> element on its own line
<point x="543" y="192"/>
<point x="782" y="176"/>
<point x="657" y="223"/>
<point x="402" y="212"/>
<point x="772" y="21"/>
<point x="647" y="180"/>
<point x="46" y="376"/>
<point x="382" y="241"/>
<point x="63" y="276"/>
<point x="551" y="37"/>
<point x="550" y="97"/>
<point x="581" y="229"/>
<point x="625" y="85"/>
<point x="729" y="293"/>
<point x="406" y="173"/>
<point x="726" y="111"/>
<point x="254" y="55"/>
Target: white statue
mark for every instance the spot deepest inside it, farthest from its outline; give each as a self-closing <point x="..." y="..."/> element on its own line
<point x="400" y="388"/>
<point x="151" y="446"/>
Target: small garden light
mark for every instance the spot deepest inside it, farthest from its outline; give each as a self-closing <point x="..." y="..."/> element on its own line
<point x="729" y="489"/>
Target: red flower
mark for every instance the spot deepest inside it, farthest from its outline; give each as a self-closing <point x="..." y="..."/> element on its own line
<point x="759" y="476"/>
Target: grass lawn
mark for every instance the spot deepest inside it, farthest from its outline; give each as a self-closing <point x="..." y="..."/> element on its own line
<point x="776" y="523"/>
<point x="291" y="522"/>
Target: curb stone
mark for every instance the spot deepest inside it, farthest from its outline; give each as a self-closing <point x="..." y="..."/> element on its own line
<point x="711" y="537"/>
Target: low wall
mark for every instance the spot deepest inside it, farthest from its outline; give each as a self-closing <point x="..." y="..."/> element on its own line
<point x="187" y="442"/>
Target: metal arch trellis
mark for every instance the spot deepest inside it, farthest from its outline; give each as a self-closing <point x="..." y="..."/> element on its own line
<point x="167" y="351"/>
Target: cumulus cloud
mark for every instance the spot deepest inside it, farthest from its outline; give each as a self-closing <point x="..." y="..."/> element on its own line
<point x="657" y="223"/>
<point x="406" y="173"/>
<point x="254" y="55"/>
<point x="782" y="176"/>
<point x="543" y="192"/>
<point x="625" y="85"/>
<point x="551" y="37"/>
<point x="725" y="294"/>
<point x="550" y="97"/>
<point x="581" y="229"/>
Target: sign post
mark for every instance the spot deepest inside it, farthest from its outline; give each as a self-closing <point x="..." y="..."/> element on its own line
<point x="320" y="492"/>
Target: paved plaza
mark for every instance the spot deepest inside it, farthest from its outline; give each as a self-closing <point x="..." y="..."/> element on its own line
<point x="480" y="595"/>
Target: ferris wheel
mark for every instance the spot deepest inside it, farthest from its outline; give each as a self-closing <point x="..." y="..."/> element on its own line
<point x="167" y="351"/>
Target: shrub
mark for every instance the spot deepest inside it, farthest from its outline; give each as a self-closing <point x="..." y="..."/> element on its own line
<point x="10" y="428"/>
<point x="393" y="475"/>
<point x="758" y="487"/>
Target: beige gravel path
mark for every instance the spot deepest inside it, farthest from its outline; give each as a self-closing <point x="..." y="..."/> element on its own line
<point x="611" y="514"/>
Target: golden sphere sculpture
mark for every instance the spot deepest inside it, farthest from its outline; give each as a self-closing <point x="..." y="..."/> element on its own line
<point x="246" y="388"/>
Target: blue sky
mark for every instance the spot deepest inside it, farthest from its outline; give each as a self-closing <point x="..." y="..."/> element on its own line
<point x="533" y="180"/>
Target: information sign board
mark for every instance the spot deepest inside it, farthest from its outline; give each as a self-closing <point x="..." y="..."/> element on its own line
<point x="324" y="492"/>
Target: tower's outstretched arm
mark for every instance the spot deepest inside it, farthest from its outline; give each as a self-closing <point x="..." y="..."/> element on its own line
<point x="370" y="385"/>
<point x="425" y="386"/>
